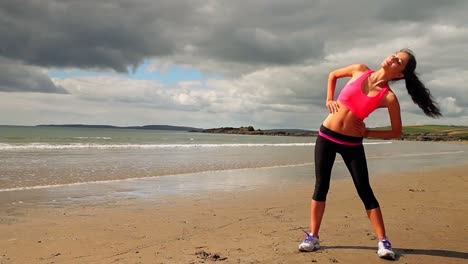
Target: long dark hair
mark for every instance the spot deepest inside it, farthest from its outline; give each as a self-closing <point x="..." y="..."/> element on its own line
<point x="417" y="90"/>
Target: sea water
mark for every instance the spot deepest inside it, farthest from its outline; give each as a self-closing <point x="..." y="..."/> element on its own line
<point x="33" y="158"/>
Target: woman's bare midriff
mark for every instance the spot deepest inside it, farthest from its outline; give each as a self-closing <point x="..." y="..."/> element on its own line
<point x="343" y="122"/>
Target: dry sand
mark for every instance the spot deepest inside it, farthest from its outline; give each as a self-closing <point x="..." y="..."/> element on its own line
<point x="426" y="215"/>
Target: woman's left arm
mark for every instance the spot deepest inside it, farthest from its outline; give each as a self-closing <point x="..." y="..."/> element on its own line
<point x="391" y="102"/>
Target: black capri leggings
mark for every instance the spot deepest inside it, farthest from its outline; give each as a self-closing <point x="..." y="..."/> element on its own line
<point x="351" y="149"/>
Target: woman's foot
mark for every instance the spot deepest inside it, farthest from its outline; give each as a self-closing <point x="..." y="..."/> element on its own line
<point x="311" y="243"/>
<point x="385" y="250"/>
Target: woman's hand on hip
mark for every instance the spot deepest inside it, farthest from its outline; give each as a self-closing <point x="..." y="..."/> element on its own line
<point x="332" y="106"/>
<point x="361" y="127"/>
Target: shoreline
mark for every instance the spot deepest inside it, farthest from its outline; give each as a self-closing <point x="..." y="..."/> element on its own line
<point x="253" y="226"/>
<point x="423" y="136"/>
<point x="447" y="133"/>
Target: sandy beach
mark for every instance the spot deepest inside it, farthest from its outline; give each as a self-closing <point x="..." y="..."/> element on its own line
<point x="425" y="212"/>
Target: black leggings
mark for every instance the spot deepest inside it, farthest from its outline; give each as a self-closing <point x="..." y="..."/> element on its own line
<point x="354" y="157"/>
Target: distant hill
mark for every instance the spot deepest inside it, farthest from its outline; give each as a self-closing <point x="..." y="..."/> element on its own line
<point x="419" y="133"/>
<point x="163" y="127"/>
<point x="290" y="130"/>
<point x="147" y="127"/>
<point x="249" y="130"/>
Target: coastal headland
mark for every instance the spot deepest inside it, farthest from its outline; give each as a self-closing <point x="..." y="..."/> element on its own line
<point x="418" y="133"/>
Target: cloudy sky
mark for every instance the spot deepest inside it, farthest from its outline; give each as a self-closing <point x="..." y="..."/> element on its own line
<point x="209" y="63"/>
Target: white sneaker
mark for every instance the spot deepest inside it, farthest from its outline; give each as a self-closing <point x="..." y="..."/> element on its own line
<point x="385" y="250"/>
<point x="311" y="243"/>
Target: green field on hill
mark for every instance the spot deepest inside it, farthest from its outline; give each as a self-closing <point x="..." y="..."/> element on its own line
<point x="432" y="129"/>
<point x="436" y="129"/>
<point x="458" y="131"/>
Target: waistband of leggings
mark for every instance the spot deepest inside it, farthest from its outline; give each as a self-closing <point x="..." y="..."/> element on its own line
<point x="340" y="138"/>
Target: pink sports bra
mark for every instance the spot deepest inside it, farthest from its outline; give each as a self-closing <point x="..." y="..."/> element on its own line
<point x="357" y="101"/>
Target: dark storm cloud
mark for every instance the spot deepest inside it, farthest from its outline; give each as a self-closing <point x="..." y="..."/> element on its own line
<point x="255" y="46"/>
<point x="116" y="34"/>
<point x="85" y="34"/>
<point x="19" y="78"/>
<point x="263" y="32"/>
<point x="422" y="10"/>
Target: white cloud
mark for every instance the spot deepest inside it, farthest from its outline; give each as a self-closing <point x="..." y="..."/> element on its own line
<point x="449" y="106"/>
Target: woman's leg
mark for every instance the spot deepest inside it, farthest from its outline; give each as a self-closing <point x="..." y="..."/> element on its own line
<point x="376" y="219"/>
<point x="324" y="158"/>
<point x="325" y="154"/>
<point x="355" y="160"/>
<point x="317" y="209"/>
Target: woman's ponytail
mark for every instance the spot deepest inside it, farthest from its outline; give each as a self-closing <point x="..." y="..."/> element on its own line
<point x="417" y="90"/>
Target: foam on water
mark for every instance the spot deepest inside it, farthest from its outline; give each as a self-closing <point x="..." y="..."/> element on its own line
<point x="106" y="138"/>
<point x="39" y="146"/>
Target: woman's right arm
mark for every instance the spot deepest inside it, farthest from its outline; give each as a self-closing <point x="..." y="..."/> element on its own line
<point x="348" y="71"/>
<point x="390" y="102"/>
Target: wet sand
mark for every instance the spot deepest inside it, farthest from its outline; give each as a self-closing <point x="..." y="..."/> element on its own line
<point x="425" y="213"/>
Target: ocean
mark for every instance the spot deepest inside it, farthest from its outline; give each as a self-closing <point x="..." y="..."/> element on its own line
<point x="151" y="163"/>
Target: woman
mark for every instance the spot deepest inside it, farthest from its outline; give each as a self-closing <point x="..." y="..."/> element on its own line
<point x="343" y="132"/>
